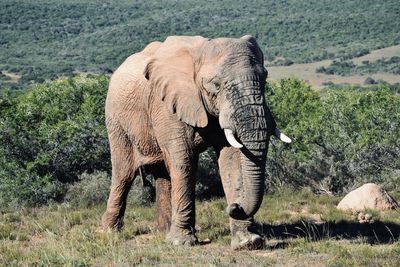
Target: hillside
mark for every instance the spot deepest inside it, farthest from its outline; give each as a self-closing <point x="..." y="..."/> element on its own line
<point x="379" y="66"/>
<point x="47" y="38"/>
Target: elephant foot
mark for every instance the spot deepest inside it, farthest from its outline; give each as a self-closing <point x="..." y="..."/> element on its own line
<point x="182" y="238"/>
<point x="111" y="223"/>
<point x="245" y="236"/>
<point x="246" y="241"/>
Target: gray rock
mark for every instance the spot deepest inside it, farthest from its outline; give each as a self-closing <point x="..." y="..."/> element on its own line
<point x="368" y="196"/>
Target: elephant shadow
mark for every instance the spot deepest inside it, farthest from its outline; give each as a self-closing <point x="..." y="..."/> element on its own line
<point x="372" y="233"/>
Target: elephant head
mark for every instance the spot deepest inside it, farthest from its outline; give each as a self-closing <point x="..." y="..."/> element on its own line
<point x="197" y="77"/>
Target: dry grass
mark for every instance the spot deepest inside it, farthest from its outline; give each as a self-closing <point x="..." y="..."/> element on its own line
<point x="301" y="229"/>
<point x="308" y="72"/>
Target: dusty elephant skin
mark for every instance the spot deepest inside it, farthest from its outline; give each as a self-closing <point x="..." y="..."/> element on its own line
<point x="167" y="104"/>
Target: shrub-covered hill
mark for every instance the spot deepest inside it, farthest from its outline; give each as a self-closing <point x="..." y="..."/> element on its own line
<point x="52" y="133"/>
<point x="45" y="38"/>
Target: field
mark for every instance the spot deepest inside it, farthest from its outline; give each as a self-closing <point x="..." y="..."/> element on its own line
<point x="308" y="71"/>
<point x="301" y="229"/>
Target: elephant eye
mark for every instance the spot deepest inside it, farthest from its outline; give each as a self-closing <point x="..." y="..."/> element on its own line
<point x="217" y="84"/>
<point x="212" y="85"/>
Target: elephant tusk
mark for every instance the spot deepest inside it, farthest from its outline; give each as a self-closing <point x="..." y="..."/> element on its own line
<point x="281" y="136"/>
<point x="231" y="139"/>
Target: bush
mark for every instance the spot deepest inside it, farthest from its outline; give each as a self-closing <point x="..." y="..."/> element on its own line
<point x="50" y="134"/>
<point x="143" y="192"/>
<point x="369" y="81"/>
<point x="341" y="140"/>
<point x="283" y="62"/>
<point x="338" y="67"/>
<point x="89" y="190"/>
<point x="54" y="135"/>
<point x="208" y="182"/>
<point x="20" y="187"/>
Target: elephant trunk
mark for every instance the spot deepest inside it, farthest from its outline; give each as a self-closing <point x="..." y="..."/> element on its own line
<point x="250" y="189"/>
<point x="252" y="127"/>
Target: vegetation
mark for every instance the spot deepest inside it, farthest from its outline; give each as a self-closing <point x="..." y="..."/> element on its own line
<point x="346" y="68"/>
<point x="43" y="39"/>
<point x="300" y="228"/>
<point x="89" y="190"/>
<point x="54" y="147"/>
<point x="342" y="138"/>
<point x="50" y="134"/>
<point x="337" y="67"/>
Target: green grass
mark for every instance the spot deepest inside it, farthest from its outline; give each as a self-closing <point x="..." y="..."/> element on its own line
<point x="62" y="235"/>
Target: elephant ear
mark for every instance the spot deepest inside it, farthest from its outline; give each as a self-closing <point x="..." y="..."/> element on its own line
<point x="254" y="43"/>
<point x="171" y="72"/>
<point x="249" y="39"/>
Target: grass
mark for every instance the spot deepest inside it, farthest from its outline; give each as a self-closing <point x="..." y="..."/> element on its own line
<point x="301" y="229"/>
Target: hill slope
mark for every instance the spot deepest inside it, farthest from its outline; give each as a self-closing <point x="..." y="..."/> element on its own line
<point x="372" y="67"/>
<point x="45" y="38"/>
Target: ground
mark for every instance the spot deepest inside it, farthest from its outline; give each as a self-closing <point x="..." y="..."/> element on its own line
<point x="308" y="72"/>
<point x="301" y="229"/>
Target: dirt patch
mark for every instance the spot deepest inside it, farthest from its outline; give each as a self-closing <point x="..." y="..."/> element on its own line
<point x="13" y="76"/>
<point x="374" y="55"/>
<point x="307" y="216"/>
<point x="308" y="72"/>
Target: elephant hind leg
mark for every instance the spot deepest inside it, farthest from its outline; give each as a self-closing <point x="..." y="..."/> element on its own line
<point x="124" y="160"/>
<point x="163" y="196"/>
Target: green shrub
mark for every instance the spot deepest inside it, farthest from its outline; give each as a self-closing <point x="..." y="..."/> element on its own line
<point x="143" y="192"/>
<point x="338" y="67"/>
<point x="50" y="134"/>
<point x="369" y="81"/>
<point x="341" y="138"/>
<point x="283" y="62"/>
<point x="89" y="190"/>
<point x="20" y="187"/>
<point x="208" y="182"/>
<point x="54" y="132"/>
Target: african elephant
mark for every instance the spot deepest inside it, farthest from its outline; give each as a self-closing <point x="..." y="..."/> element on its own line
<point x="168" y="103"/>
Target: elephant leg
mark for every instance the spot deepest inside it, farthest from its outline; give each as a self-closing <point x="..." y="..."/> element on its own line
<point x="124" y="167"/>
<point x="163" y="197"/>
<point x="244" y="232"/>
<point x="182" y="170"/>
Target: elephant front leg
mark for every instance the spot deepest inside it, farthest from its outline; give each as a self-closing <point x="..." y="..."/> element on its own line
<point x="182" y="171"/>
<point x="244" y="232"/>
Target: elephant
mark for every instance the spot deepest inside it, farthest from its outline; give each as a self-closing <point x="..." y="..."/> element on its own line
<point x="173" y="100"/>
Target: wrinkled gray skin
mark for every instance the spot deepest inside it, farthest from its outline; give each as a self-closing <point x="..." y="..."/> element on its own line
<point x="167" y="104"/>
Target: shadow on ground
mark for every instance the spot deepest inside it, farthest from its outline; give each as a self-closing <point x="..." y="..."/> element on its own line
<point x="373" y="233"/>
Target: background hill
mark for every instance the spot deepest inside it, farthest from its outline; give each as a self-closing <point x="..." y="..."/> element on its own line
<point x="47" y="38"/>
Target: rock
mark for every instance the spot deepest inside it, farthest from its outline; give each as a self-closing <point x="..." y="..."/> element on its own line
<point x="364" y="218"/>
<point x="368" y="217"/>
<point x="368" y="196"/>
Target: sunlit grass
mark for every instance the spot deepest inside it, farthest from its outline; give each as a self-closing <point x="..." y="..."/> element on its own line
<point x="68" y="236"/>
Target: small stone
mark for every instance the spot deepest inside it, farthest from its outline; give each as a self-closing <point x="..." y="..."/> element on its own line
<point x="368" y="217"/>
